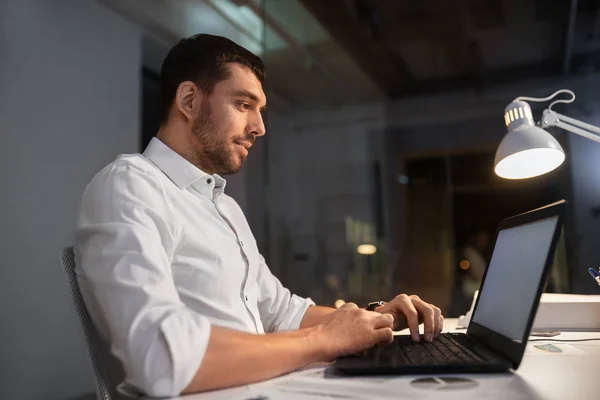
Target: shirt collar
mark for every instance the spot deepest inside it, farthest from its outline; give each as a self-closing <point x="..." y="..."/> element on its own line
<point x="182" y="172"/>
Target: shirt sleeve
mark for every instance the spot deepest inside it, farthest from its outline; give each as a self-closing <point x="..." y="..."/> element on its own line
<point x="280" y="310"/>
<point x="124" y="244"/>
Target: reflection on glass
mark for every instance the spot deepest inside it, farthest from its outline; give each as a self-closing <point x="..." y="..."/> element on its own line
<point x="378" y="178"/>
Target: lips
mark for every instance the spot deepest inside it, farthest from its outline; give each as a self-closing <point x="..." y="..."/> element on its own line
<point x="243" y="146"/>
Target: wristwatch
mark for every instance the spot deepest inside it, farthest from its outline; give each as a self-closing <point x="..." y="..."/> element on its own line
<point x="373" y="305"/>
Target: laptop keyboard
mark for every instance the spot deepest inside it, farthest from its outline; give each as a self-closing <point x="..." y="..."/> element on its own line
<point x="443" y="350"/>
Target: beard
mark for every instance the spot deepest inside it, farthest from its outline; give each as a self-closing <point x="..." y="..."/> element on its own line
<point x="213" y="149"/>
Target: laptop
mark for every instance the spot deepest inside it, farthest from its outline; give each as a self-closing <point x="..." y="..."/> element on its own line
<point x="503" y="315"/>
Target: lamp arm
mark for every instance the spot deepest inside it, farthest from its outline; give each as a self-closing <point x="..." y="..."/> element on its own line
<point x="588" y="131"/>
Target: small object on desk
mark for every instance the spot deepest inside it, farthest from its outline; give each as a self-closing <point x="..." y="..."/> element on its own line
<point x="558" y="311"/>
<point x="595" y="275"/>
<point x="550" y="348"/>
<point x="568" y="312"/>
<point x="553" y="349"/>
<point x="464" y="320"/>
<point x="545" y="333"/>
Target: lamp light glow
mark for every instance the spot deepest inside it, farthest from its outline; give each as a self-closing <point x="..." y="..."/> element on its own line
<point x="338" y="303"/>
<point x="366" y="249"/>
<point x="529" y="163"/>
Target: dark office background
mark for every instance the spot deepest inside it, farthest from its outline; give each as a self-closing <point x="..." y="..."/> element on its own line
<point x="383" y="121"/>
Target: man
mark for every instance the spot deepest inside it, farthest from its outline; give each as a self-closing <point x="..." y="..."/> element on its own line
<point x="167" y="263"/>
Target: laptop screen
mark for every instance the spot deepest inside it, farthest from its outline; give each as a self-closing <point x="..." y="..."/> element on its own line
<point x="513" y="277"/>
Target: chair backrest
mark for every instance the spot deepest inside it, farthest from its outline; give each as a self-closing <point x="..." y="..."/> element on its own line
<point x="108" y="372"/>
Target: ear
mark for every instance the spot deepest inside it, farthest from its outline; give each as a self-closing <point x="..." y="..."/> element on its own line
<point x="188" y="99"/>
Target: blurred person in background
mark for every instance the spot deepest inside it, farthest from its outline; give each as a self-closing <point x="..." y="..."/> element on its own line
<point x="474" y="262"/>
<point x="168" y="266"/>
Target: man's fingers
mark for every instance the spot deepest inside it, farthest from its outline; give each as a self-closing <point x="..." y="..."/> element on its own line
<point x="414" y="310"/>
<point x="349" y="305"/>
<point x="384" y="324"/>
<point x="385" y="335"/>
<point x="427" y="314"/>
<point x="440" y="323"/>
<point x="384" y="321"/>
<point x="405" y="306"/>
<point x="387" y="308"/>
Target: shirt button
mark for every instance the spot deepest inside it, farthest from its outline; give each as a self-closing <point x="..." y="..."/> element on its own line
<point x="209" y="181"/>
<point x="241" y="243"/>
<point x="246" y="297"/>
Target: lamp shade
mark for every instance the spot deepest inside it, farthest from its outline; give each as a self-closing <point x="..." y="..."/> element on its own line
<point x="526" y="151"/>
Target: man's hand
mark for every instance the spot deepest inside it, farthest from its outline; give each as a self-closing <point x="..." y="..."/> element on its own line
<point x="410" y="311"/>
<point x="349" y="330"/>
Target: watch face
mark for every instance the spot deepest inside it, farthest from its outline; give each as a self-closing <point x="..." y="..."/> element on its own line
<point x="373" y="305"/>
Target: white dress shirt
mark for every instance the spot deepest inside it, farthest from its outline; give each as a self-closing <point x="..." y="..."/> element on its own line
<point x="162" y="254"/>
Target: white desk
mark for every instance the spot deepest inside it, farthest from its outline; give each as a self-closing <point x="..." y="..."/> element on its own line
<point x="572" y="374"/>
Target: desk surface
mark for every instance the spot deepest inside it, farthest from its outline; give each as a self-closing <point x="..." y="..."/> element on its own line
<point x="570" y="374"/>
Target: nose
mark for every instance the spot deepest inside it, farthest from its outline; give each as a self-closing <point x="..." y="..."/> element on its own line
<point x="256" y="125"/>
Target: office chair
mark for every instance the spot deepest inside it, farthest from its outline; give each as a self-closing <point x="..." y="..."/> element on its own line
<point x="108" y="372"/>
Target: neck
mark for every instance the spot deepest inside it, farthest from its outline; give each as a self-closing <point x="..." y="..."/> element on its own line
<point x="183" y="143"/>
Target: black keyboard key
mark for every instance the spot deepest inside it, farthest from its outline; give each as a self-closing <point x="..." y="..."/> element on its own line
<point x="464" y="349"/>
<point x="408" y="352"/>
<point x="434" y="353"/>
<point x="401" y="358"/>
<point x="422" y="354"/>
<point x="402" y="340"/>
<point x="389" y="356"/>
<point x="443" y="350"/>
<point x="461" y="350"/>
<point x="446" y="351"/>
<point x="451" y="346"/>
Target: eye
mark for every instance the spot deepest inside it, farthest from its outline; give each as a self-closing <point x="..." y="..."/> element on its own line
<point x="245" y="106"/>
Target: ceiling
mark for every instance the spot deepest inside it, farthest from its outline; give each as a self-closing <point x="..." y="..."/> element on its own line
<point x="415" y="46"/>
<point x="338" y="52"/>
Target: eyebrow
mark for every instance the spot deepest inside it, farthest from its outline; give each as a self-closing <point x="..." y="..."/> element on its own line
<point x="250" y="95"/>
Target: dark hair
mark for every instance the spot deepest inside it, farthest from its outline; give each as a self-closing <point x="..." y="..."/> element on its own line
<point x="202" y="59"/>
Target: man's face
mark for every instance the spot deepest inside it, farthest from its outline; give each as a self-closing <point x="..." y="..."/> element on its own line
<point x="228" y="122"/>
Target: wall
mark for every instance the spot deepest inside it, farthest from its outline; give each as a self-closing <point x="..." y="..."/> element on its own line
<point x="69" y="102"/>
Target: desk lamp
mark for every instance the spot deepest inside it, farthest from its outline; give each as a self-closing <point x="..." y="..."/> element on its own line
<point x="528" y="150"/>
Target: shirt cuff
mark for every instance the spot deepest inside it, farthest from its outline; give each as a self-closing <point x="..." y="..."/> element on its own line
<point x="296" y="311"/>
<point x="186" y="335"/>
